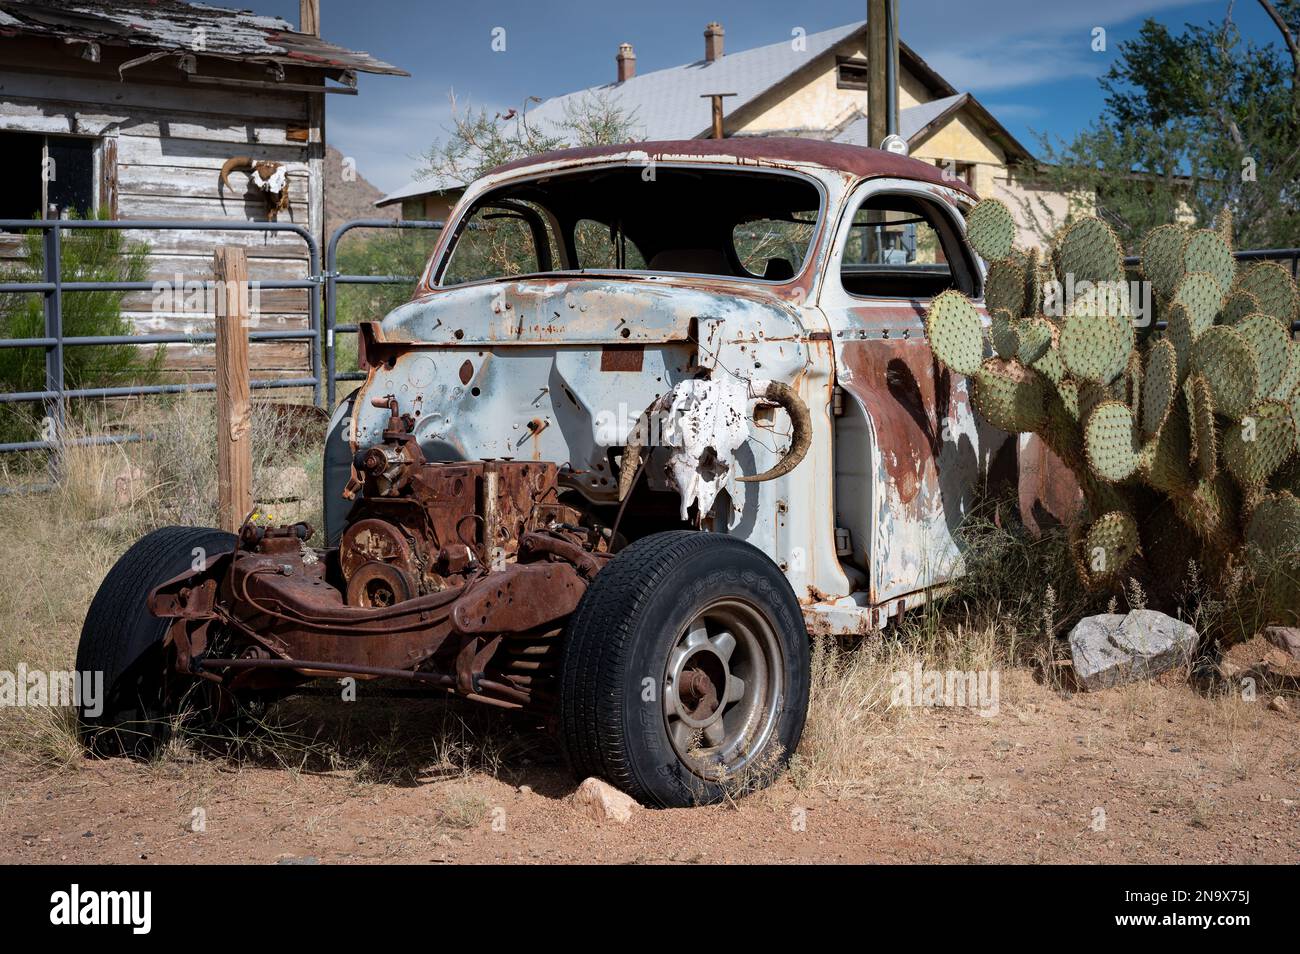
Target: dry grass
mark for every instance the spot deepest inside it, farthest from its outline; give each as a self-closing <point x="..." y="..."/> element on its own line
<point x="62" y="542"/>
<point x="1006" y="616"/>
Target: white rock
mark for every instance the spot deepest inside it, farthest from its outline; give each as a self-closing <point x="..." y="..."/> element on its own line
<point x="603" y="802"/>
<point x="1112" y="648"/>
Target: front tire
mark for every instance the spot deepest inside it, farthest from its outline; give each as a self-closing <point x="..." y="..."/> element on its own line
<point x="685" y="671"/>
<point x="123" y="640"/>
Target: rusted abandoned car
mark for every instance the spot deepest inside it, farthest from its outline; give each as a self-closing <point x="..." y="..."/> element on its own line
<point x="655" y="413"/>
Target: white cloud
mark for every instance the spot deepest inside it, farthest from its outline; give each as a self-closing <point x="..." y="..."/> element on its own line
<point x="389" y="136"/>
<point x="1017" y="43"/>
<point x="1016" y="111"/>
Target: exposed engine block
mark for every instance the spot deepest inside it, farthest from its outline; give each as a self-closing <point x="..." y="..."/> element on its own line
<point x="421" y="527"/>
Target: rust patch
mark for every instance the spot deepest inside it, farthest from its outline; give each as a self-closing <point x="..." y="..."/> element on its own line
<point x="466" y="371"/>
<point x="622" y="357"/>
<point x="907" y="395"/>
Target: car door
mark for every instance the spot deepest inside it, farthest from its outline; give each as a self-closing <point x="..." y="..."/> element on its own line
<point x="910" y="454"/>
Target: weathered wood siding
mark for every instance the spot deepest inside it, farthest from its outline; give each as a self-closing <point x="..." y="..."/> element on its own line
<point x="162" y="142"/>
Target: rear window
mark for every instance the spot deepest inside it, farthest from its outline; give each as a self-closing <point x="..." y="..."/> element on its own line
<point x="744" y="225"/>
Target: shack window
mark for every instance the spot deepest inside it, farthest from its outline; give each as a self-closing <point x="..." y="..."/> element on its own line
<point x="46" y="175"/>
<point x="900" y="246"/>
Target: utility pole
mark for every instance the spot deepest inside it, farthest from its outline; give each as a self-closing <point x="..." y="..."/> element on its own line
<point x="882" y="61"/>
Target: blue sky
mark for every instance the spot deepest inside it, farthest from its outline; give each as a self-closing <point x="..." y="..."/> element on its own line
<point x="1029" y="61"/>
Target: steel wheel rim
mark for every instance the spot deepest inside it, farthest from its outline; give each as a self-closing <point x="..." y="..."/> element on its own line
<point x="722" y="688"/>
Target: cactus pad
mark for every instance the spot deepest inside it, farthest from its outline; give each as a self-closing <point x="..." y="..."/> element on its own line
<point x="1223" y="226"/>
<point x="1238" y="305"/>
<point x="1096" y="347"/>
<point x="1225" y="359"/>
<point x="1271" y="342"/>
<point x="956" y="332"/>
<point x="1110" y="441"/>
<point x="1274" y="526"/>
<point x="1159" y="386"/>
<point x="1110" y="543"/>
<point x="1205" y="438"/>
<point x="1004" y="289"/>
<point x="1274" y="535"/>
<point x="1179" y="333"/>
<point x="1090" y="251"/>
<point x="1010" y="396"/>
<point x="1035" y="339"/>
<point x="1206" y="251"/>
<point x="1006" y="341"/>
<point x="1200" y="296"/>
<point x="1166" y="460"/>
<point x="991" y="230"/>
<point x="1291" y="376"/>
<point x="1256" y="447"/>
<point x="1274" y="287"/>
<point x="1033" y="283"/>
<point x="1162" y="259"/>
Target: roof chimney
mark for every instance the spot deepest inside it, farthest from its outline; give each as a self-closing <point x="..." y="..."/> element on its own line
<point x="626" y="60"/>
<point x="713" y="42"/>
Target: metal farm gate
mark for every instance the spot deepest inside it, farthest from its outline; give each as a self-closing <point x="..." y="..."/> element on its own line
<point x="323" y="285"/>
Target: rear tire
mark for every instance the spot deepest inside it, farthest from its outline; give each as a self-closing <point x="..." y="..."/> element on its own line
<point x="685" y="671"/>
<point x="124" y="641"/>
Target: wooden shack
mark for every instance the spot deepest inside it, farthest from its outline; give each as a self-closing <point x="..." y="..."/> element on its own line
<point x="136" y="105"/>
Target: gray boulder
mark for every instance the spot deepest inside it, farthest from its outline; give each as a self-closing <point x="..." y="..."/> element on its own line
<point x="1112" y="648"/>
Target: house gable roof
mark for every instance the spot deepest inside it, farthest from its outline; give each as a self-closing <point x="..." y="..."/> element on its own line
<point x="667" y="103"/>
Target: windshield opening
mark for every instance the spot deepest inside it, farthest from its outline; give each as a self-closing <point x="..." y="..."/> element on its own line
<point x="751" y="226"/>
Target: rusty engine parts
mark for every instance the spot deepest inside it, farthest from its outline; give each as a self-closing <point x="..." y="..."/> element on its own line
<point x="408" y="592"/>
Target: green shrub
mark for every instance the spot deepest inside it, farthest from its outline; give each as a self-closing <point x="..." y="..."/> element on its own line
<point x="89" y="255"/>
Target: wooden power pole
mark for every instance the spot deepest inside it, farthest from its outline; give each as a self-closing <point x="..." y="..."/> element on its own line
<point x="882" y="62"/>
<point x="234" y="413"/>
<point x="309" y="17"/>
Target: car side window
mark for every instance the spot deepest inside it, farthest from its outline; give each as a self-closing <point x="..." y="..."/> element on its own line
<point x="599" y="246"/>
<point x="901" y="246"/>
<point x="500" y="241"/>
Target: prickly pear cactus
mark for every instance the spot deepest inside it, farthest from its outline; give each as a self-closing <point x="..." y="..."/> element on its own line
<point x="1195" y="424"/>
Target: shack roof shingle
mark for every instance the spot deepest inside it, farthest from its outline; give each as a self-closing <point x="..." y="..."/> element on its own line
<point x="170" y="25"/>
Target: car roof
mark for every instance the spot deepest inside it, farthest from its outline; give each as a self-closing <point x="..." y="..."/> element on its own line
<point x="858" y="161"/>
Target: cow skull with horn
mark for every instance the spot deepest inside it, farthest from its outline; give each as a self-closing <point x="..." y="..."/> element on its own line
<point x="704" y="421"/>
<point x="270" y="177"/>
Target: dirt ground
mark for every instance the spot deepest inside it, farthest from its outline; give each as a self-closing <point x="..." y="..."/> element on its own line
<point x="1146" y="773"/>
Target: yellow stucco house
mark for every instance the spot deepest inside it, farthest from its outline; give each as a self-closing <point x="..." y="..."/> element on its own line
<point x="811" y="85"/>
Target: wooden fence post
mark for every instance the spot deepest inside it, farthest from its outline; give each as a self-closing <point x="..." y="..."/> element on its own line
<point x="234" y="455"/>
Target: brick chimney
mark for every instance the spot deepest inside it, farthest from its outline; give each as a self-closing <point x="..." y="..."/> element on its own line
<point x="713" y="42"/>
<point x="626" y="60"/>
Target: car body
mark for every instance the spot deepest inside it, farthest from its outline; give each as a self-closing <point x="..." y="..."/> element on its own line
<point x="655" y="414"/>
<point x="862" y="529"/>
